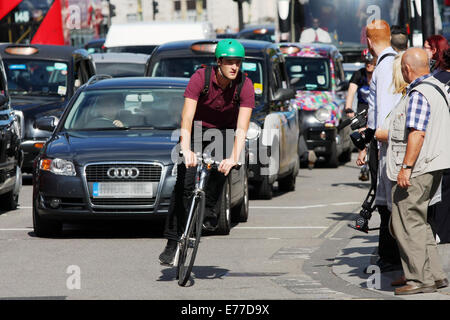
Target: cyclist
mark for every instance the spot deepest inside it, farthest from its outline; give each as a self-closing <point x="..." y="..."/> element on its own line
<point x="215" y="109"/>
<point x="359" y="84"/>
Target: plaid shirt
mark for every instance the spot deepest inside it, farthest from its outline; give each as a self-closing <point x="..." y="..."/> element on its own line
<point x="418" y="112"/>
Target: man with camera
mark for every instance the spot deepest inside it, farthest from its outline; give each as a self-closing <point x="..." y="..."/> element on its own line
<point x="381" y="101"/>
<point x="419" y="136"/>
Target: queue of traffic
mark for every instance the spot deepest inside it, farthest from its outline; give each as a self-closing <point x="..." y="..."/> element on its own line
<point x="55" y="112"/>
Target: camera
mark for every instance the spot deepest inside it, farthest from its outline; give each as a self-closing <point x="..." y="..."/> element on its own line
<point x="359" y="139"/>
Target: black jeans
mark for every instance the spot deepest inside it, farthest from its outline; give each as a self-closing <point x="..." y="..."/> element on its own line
<point x="184" y="187"/>
<point x="387" y="245"/>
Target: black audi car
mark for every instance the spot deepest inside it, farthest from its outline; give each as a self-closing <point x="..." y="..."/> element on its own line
<point x="41" y="80"/>
<point x="111" y="156"/>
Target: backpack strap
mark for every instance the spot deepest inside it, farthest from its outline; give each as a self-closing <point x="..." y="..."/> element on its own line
<point x="237" y="93"/>
<point x="438" y="89"/>
<point x="205" y="89"/>
<point x="386" y="55"/>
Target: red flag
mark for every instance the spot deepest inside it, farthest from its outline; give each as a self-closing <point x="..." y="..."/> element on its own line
<point x="7" y="6"/>
<point x="51" y="29"/>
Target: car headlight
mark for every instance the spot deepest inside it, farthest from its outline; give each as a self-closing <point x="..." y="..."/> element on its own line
<point x="323" y="114"/>
<point x="253" y="131"/>
<point x="58" y="166"/>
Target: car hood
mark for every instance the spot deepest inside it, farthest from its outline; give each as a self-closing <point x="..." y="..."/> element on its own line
<point x="89" y="146"/>
<point x="33" y="109"/>
<point x="313" y="100"/>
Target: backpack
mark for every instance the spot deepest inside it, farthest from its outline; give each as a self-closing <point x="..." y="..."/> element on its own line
<point x="237" y="93"/>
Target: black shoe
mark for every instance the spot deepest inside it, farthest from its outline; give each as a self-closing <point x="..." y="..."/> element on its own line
<point x="168" y="255"/>
<point x="210" y="224"/>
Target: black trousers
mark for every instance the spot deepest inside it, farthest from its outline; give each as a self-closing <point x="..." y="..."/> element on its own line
<point x="439" y="213"/>
<point x="387" y="245"/>
<point x="185" y="185"/>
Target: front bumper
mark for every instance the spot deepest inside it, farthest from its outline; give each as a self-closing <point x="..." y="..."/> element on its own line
<point x="30" y="152"/>
<point x="320" y="140"/>
<point x="75" y="201"/>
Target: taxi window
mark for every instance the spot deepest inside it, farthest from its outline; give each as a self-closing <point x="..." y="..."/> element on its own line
<point x="36" y="77"/>
<point x="308" y="73"/>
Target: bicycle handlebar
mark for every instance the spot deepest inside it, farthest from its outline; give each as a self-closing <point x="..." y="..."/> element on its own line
<point x="210" y="161"/>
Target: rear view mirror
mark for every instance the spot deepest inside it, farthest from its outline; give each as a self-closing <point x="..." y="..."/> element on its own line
<point x="46" y="123"/>
<point x="284" y="94"/>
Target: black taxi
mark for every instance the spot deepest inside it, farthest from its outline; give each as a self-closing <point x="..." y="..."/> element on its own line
<point x="41" y="80"/>
<point x="273" y="134"/>
<point x="11" y="155"/>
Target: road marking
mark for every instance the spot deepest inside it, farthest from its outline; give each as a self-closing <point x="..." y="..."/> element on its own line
<point x="305" y="227"/>
<point x="306" y="207"/>
<point x="16" y="229"/>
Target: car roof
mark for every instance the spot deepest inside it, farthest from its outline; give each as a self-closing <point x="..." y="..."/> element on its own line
<point x="45" y="52"/>
<point x="184" y="47"/>
<point x="120" y="57"/>
<point x="316" y="49"/>
<point x="138" y="82"/>
<point x="251" y="28"/>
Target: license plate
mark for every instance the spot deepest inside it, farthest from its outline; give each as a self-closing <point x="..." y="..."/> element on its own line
<point x="122" y="190"/>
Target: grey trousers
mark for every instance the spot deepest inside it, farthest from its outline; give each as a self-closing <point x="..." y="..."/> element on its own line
<point x="418" y="250"/>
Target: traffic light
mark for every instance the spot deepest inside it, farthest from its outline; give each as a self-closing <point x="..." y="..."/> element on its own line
<point x="155" y="7"/>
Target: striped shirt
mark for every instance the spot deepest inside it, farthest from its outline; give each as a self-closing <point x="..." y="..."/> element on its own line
<point x="418" y="113"/>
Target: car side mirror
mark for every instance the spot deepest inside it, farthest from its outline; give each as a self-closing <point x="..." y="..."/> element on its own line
<point x="46" y="123"/>
<point x="343" y="85"/>
<point x="284" y="94"/>
<point x="3" y="100"/>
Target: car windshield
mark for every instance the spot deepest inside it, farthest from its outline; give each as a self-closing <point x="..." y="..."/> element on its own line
<point x="122" y="109"/>
<point x="185" y="68"/>
<point x="36" y="77"/>
<point x="308" y="73"/>
<point x="133" y="49"/>
<point x="117" y="70"/>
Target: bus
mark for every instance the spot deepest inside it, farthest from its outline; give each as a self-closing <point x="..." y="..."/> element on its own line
<point x="55" y="22"/>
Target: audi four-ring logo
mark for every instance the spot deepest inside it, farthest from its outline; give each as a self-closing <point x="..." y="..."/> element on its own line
<point x="123" y="173"/>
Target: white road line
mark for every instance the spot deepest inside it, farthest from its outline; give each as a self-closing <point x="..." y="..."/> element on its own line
<point x="305" y="227"/>
<point x="16" y="229"/>
<point x="306" y="207"/>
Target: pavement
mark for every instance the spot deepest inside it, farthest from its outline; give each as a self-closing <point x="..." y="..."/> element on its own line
<point x="361" y="252"/>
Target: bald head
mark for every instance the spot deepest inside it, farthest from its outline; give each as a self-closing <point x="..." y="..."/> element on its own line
<point x="414" y="64"/>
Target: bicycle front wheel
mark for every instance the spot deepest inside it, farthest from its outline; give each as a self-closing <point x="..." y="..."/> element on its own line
<point x="189" y="244"/>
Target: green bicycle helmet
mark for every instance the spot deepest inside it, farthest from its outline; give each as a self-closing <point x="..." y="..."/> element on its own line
<point x="229" y="48"/>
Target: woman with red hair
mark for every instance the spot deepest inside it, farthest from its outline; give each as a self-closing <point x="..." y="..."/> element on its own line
<point x="435" y="46"/>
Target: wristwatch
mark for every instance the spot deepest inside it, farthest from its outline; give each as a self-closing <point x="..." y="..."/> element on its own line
<point x="404" y="166"/>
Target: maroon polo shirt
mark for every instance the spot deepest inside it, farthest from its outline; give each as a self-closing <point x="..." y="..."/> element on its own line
<point x="216" y="109"/>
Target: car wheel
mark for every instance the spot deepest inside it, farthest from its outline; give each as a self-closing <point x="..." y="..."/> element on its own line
<point x="287" y="183"/>
<point x="43" y="227"/>
<point x="333" y="161"/>
<point x="346" y="156"/>
<point x="241" y="210"/>
<point x="9" y="201"/>
<point x="264" y="189"/>
<point x="224" y="218"/>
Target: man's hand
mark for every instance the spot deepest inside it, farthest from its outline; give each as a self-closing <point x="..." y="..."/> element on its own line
<point x="361" y="157"/>
<point x="403" y="178"/>
<point x="190" y="159"/>
<point x="118" y="123"/>
<point x="226" y="165"/>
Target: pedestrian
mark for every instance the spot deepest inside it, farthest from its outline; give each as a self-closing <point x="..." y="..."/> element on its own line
<point x="439" y="213"/>
<point x="399" y="38"/>
<point x="381" y="101"/>
<point x="359" y="85"/>
<point x="218" y="109"/>
<point x="417" y="153"/>
<point x="435" y="46"/>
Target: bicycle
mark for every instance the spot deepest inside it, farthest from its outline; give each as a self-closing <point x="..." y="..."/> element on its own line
<point x="190" y="239"/>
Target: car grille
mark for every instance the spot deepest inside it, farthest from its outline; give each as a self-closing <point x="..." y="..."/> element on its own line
<point x="147" y="172"/>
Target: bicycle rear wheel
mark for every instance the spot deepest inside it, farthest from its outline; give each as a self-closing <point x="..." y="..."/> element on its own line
<point x="189" y="244"/>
